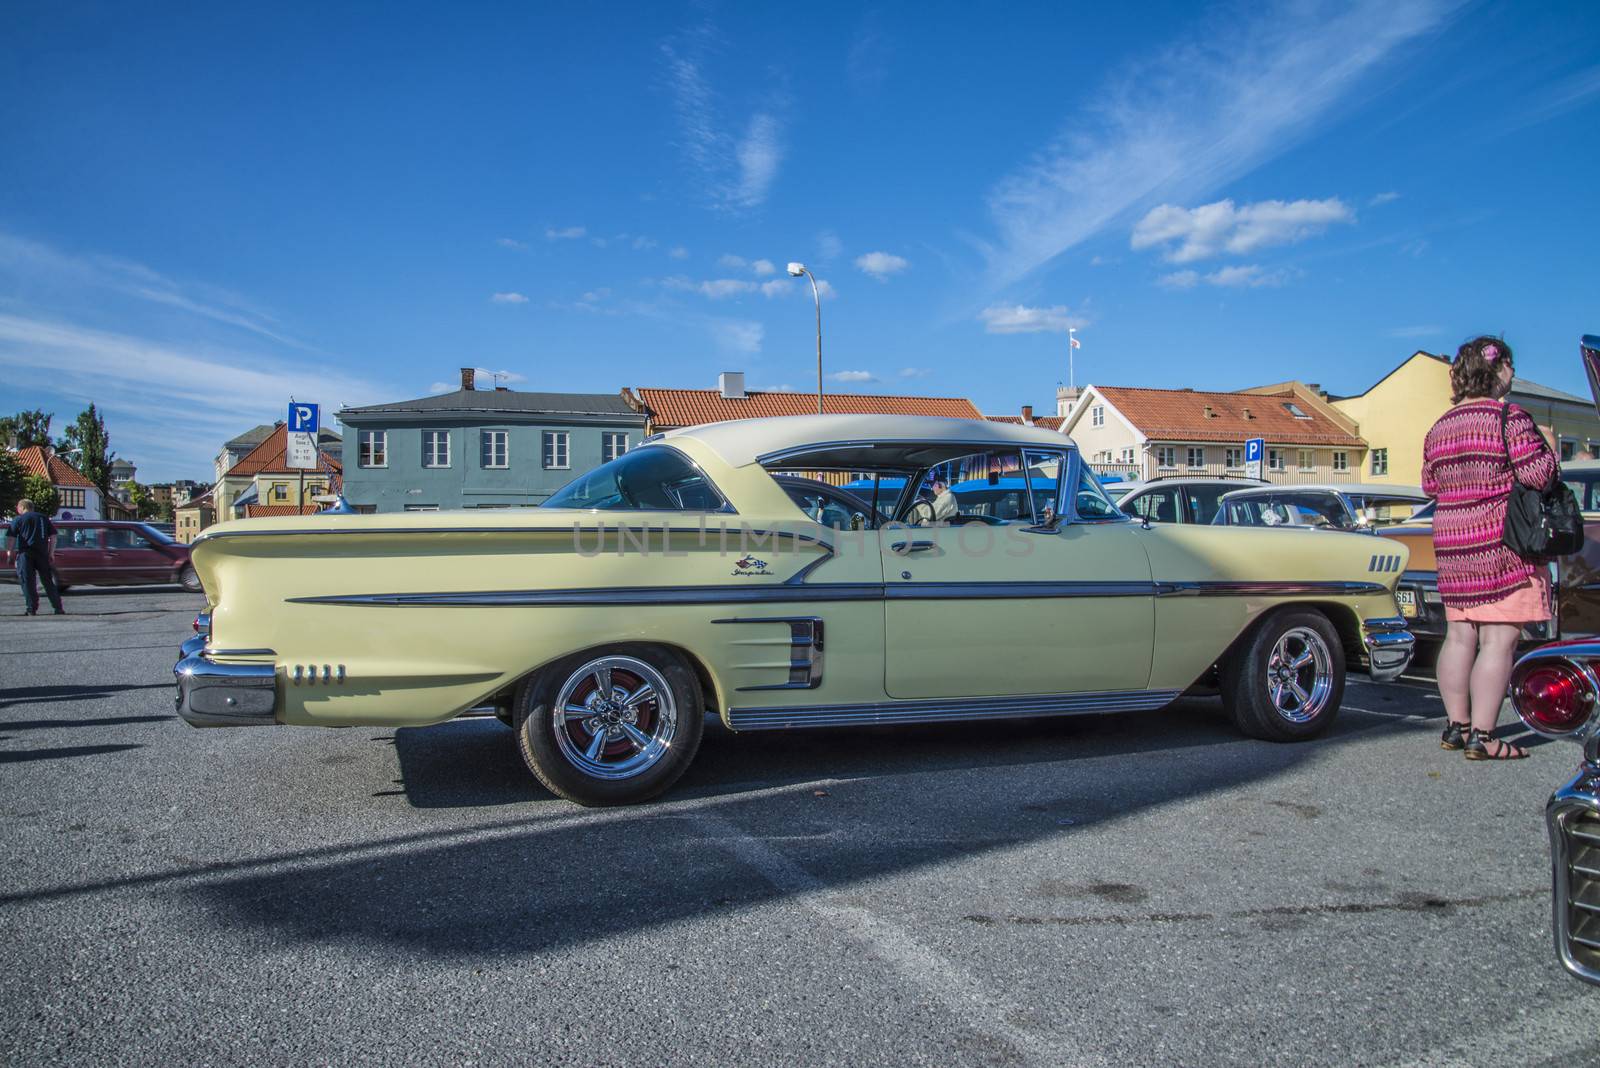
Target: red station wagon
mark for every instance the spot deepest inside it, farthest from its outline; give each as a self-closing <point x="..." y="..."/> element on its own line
<point x="112" y="553"/>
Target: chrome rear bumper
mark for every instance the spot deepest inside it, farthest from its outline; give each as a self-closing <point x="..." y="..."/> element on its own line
<point x="1573" y="819"/>
<point x="215" y="694"/>
<point x="1389" y="645"/>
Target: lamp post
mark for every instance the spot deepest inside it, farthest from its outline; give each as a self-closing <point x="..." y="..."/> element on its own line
<point x="796" y="270"/>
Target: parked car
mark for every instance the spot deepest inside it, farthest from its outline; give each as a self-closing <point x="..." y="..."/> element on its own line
<point x="681" y="580"/>
<point x="1556" y="691"/>
<point x="1180" y="498"/>
<point x="113" y="553"/>
<point x="1346" y="507"/>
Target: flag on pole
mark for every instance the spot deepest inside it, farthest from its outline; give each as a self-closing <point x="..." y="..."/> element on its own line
<point x="1074" y="342"/>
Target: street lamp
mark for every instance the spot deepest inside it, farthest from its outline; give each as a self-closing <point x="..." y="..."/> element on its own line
<point x="796" y="270"/>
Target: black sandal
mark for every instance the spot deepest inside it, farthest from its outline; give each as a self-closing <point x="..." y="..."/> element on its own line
<point x="1478" y="747"/>
<point x="1455" y="735"/>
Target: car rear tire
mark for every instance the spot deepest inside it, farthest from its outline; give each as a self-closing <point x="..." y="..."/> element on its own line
<point x="1286" y="681"/>
<point x="190" y="580"/>
<point x="611" y="727"/>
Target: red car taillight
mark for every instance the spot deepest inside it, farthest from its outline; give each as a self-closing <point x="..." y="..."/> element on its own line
<point x="1553" y="695"/>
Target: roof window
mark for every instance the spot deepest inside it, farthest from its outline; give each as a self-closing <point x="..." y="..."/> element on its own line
<point x="1294" y="409"/>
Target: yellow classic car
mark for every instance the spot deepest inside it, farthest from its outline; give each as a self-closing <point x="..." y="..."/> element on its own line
<point x="720" y="570"/>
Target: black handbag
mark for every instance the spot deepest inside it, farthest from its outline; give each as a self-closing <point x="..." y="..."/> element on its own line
<point x="1539" y="523"/>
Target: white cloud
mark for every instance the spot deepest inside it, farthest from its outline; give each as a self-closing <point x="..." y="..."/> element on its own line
<point x="852" y="376"/>
<point x="595" y="296"/>
<point x="1021" y="319"/>
<point x="730" y="261"/>
<point x="1210" y="230"/>
<point x="509" y="298"/>
<point x="678" y="252"/>
<point x="829" y="247"/>
<point x="719" y="288"/>
<point x="780" y="287"/>
<point x="738" y="171"/>
<point x="1250" y="276"/>
<point x="737" y="335"/>
<point x="511" y="242"/>
<point x="641" y="243"/>
<point x="488" y="378"/>
<point x="570" y="233"/>
<point x="881" y="265"/>
<point x="1383" y="198"/>
<point x="762" y="268"/>
<point x="1195" y="115"/>
<point x="915" y="372"/>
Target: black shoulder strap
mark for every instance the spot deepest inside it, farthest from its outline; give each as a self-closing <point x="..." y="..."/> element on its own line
<point x="1505" y="440"/>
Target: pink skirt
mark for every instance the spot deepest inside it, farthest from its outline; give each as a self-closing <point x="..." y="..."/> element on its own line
<point x="1529" y="604"/>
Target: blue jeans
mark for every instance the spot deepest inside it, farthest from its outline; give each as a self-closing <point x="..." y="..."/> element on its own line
<point x="27" y="569"/>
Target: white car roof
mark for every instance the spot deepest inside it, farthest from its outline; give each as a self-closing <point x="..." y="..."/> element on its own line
<point x="1354" y="489"/>
<point x="1192" y="480"/>
<point x="743" y="441"/>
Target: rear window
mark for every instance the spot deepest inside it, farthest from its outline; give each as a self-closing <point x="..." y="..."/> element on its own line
<point x="654" y="478"/>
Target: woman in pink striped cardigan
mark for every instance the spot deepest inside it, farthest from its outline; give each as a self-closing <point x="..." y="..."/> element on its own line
<point x="1470" y="458"/>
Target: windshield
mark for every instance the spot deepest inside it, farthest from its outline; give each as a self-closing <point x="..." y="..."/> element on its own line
<point x="158" y="536"/>
<point x="654" y="478"/>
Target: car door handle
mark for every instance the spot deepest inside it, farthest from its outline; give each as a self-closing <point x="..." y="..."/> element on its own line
<point x="911" y="546"/>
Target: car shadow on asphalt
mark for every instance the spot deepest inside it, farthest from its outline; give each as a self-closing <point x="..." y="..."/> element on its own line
<point x="23" y="756"/>
<point x="39" y="695"/>
<point x="863" y="806"/>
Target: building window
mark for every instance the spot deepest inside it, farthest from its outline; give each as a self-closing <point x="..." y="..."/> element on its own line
<point x="422" y="507"/>
<point x="1294" y="409"/>
<point x="372" y="449"/>
<point x="1341" y="461"/>
<point x="1233" y="456"/>
<point x="1380" y="461"/>
<point x="1308" y="460"/>
<point x="1127" y="455"/>
<point x="1167" y="456"/>
<point x="1197" y="457"/>
<point x="1275" y="460"/>
<point x="612" y="445"/>
<point x="69" y="498"/>
<point x="1097" y="415"/>
<point x="280" y="492"/>
<point x="556" y="456"/>
<point x="436" y="448"/>
<point x="1569" y="449"/>
<point x="494" y="449"/>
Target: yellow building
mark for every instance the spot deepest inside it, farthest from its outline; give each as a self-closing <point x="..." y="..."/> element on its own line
<point x="1394" y="415"/>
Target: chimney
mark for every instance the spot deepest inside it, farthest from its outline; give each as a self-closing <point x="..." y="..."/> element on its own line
<point x="731" y="385"/>
<point x="1209" y="413"/>
<point x="469" y="378"/>
<point x="1027" y="415"/>
<point x="1248" y="415"/>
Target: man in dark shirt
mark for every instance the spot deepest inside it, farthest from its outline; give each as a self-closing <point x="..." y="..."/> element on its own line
<point x="34" y="536"/>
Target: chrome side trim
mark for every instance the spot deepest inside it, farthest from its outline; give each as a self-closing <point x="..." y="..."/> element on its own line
<point x="192" y="646"/>
<point x="1572" y="818"/>
<point x="212" y="694"/>
<point x="1389" y="645"/>
<point x="838" y="591"/>
<point x="946" y="710"/>
<point x="805" y="651"/>
<point x="795" y="451"/>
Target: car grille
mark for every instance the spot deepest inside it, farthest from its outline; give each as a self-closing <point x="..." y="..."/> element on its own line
<point x="1580" y="832"/>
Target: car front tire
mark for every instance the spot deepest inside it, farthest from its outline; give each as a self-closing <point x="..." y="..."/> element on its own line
<point x="611" y="727"/>
<point x="1286" y="681"/>
<point x="190" y="580"/>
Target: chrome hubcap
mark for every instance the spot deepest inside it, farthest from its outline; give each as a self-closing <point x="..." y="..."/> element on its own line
<point x="1300" y="675"/>
<point x="615" y="718"/>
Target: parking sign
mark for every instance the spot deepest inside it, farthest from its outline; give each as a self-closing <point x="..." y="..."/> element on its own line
<point x="1254" y="450"/>
<point x="302" y="428"/>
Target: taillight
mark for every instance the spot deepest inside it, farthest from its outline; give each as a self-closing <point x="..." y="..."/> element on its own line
<point x="1553" y="695"/>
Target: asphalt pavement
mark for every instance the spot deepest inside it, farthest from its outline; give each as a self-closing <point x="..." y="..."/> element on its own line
<point x="1140" y="889"/>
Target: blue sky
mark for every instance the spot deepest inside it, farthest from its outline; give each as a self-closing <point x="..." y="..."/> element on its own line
<point x="205" y="210"/>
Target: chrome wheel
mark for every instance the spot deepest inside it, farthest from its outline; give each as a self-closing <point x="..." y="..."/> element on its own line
<point x="1300" y="675"/>
<point x="615" y="717"/>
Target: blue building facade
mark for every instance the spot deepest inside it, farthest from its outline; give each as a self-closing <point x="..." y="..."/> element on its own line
<point x="474" y="448"/>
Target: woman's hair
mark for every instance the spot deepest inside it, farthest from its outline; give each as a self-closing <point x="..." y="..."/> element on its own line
<point x="1476" y="368"/>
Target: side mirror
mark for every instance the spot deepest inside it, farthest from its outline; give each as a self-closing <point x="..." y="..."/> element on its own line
<point x="858" y="521"/>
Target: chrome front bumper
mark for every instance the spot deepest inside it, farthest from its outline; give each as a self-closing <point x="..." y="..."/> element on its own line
<point x="1389" y="645"/>
<point x="216" y="694"/>
<point x="1573" y="820"/>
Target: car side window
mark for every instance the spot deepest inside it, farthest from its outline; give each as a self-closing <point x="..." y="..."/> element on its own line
<point x="123" y="538"/>
<point x="79" y="538"/>
<point x="1157" y="506"/>
<point x="1203" y="502"/>
<point x="1091" y="501"/>
<point x="1587" y="491"/>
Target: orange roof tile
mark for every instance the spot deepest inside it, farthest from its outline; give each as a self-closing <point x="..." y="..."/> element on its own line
<point x="35" y="461"/>
<point x="1048" y="422"/>
<point x="271" y="456"/>
<point x="671" y="408"/>
<point x="1180" y="415"/>
<point x="262" y="511"/>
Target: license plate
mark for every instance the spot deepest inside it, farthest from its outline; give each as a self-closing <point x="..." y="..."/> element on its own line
<point x="1408" y="602"/>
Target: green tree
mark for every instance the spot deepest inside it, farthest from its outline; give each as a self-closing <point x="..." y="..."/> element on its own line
<point x="87" y="446"/>
<point x="38" y="489"/>
<point x="28" y="428"/>
<point x="144" y="505"/>
<point x="12" y="477"/>
<point x="166" y="512"/>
